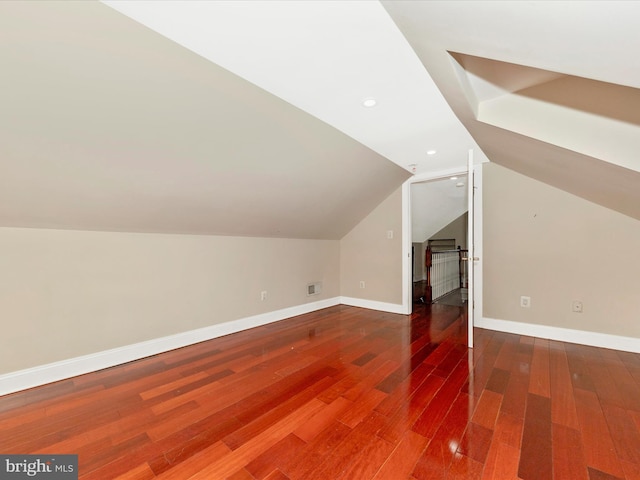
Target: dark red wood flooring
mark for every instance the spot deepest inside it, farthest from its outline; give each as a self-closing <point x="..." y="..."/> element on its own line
<point x="346" y="393"/>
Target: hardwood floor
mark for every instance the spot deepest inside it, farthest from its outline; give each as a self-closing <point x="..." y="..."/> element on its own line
<point x="346" y="393"/>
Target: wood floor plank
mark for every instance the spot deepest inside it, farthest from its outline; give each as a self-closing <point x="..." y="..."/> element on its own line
<point x="569" y="462"/>
<point x="348" y="394"/>
<point x="407" y="414"/>
<point x="504" y="464"/>
<point x="627" y="385"/>
<point x="194" y="464"/>
<point x="313" y="455"/>
<point x="141" y="472"/>
<point x="498" y="380"/>
<point x="325" y="417"/>
<point x="430" y="419"/>
<point x="475" y="442"/>
<point x="402" y="460"/>
<point x="356" y="412"/>
<point x="539" y="380"/>
<point x="373" y="455"/>
<point x="241" y="474"/>
<point x="228" y="464"/>
<point x="536" y="457"/>
<point x="508" y="430"/>
<point x="440" y="452"/>
<point x="563" y="405"/>
<point x="631" y="470"/>
<point x="464" y="468"/>
<point x="627" y="438"/>
<point x="273" y="458"/>
<point x="277" y="475"/>
<point x="487" y="409"/>
<point x="595" y="474"/>
<point x="599" y="449"/>
<point x="404" y="391"/>
<point x="514" y="400"/>
<point x="344" y="454"/>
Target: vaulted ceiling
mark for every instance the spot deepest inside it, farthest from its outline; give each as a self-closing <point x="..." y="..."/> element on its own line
<point x="246" y="118"/>
<point x="107" y="125"/>
<point x="548" y="89"/>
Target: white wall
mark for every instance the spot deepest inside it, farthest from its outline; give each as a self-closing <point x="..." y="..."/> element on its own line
<point x="65" y="294"/>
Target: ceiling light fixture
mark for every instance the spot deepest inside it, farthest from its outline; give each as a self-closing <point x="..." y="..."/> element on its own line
<point x="459" y="184"/>
<point x="453" y="178"/>
<point x="369" y="102"/>
<point x="431" y="152"/>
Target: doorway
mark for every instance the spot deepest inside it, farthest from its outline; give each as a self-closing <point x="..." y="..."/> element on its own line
<point x="408" y="206"/>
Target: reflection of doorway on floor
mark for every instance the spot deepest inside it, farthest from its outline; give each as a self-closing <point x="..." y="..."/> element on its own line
<point x="457" y="297"/>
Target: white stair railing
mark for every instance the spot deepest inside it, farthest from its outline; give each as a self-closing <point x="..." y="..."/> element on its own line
<point x="445" y="272"/>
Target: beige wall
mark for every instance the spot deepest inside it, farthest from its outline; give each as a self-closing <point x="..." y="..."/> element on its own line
<point x="457" y="230"/>
<point x="69" y="293"/>
<point x="366" y="254"/>
<point x="555" y="247"/>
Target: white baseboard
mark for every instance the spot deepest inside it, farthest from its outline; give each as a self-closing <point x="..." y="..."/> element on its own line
<point x="53" y="372"/>
<point x="374" y="305"/>
<point x="594" y="339"/>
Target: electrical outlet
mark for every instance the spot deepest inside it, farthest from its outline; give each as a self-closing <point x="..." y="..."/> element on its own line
<point x="263" y="295"/>
<point x="576" y="306"/>
<point x="525" y="302"/>
<point x="361" y="283"/>
<point x="389" y="234"/>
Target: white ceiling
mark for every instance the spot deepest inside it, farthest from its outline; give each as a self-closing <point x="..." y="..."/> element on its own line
<point x="435" y="204"/>
<point x="325" y="58"/>
<point x="245" y="117"/>
<point x="106" y="125"/>
<point x="549" y="89"/>
<point x="564" y="99"/>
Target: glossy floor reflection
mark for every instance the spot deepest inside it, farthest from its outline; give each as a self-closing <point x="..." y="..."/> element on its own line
<point x="346" y="393"/>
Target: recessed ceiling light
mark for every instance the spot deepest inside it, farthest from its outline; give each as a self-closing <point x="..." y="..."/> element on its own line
<point x="431" y="152"/>
<point x="369" y="102"/>
<point x="459" y="184"/>
<point x="453" y="178"/>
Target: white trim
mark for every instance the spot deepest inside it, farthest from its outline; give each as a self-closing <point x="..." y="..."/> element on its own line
<point x="594" y="339"/>
<point x="407" y="281"/>
<point x="373" y="305"/>
<point x="478" y="236"/>
<point x="53" y="372"/>
<point x="407" y="286"/>
<point x="470" y="249"/>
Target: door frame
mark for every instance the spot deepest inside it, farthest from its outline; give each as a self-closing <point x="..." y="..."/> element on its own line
<point x="407" y="280"/>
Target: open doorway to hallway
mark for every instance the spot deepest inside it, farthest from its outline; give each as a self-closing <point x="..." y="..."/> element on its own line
<point x="439" y="240"/>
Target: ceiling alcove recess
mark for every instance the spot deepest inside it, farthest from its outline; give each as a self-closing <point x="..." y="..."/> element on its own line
<point x="597" y="119"/>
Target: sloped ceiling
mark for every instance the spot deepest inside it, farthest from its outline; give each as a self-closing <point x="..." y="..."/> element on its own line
<point x="106" y="125"/>
<point x="548" y="89"/>
<point x="325" y="57"/>
<point x="435" y="204"/>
